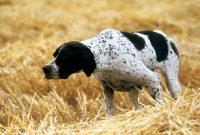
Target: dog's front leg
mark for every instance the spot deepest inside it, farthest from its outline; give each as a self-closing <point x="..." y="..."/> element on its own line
<point x="108" y="94"/>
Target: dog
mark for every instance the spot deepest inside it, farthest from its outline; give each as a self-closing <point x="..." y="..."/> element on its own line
<point x="120" y="61"/>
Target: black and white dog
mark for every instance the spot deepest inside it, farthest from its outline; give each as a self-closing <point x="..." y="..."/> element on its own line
<point x="120" y="61"/>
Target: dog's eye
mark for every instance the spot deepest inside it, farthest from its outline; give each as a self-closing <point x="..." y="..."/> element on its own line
<point x="65" y="57"/>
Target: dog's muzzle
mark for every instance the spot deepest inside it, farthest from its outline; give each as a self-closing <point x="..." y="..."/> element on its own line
<point x="47" y="71"/>
<point x="51" y="71"/>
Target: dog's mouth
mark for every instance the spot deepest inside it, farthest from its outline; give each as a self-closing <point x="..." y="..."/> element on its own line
<point x="51" y="77"/>
<point x="55" y="78"/>
<point x="47" y="76"/>
<point x="64" y="77"/>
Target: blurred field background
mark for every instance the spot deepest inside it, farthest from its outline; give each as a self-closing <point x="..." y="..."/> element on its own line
<point x="30" y="31"/>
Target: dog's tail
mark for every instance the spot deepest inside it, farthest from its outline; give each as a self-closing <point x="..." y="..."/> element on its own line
<point x="174" y="47"/>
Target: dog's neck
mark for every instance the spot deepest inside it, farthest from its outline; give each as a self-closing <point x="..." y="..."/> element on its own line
<point x="100" y="46"/>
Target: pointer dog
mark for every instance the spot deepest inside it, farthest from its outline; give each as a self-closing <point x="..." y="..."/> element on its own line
<point x="120" y="61"/>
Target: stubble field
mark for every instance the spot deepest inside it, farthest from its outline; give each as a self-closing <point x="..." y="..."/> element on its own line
<point x="30" y="31"/>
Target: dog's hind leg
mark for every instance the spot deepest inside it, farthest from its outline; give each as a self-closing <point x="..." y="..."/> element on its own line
<point x="133" y="95"/>
<point x="146" y="77"/>
<point x="171" y="76"/>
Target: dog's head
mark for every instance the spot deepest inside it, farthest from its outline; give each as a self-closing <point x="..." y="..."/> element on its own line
<point x="70" y="58"/>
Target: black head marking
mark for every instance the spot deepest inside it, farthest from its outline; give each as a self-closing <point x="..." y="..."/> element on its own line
<point x="159" y="44"/>
<point x="73" y="56"/>
<point x="136" y="40"/>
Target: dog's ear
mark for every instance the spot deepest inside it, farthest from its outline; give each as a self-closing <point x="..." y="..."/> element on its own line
<point x="88" y="62"/>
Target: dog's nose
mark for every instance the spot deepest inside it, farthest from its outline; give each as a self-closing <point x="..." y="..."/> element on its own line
<point x="47" y="69"/>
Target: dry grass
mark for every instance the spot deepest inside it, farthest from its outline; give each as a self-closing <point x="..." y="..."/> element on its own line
<point x="31" y="30"/>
